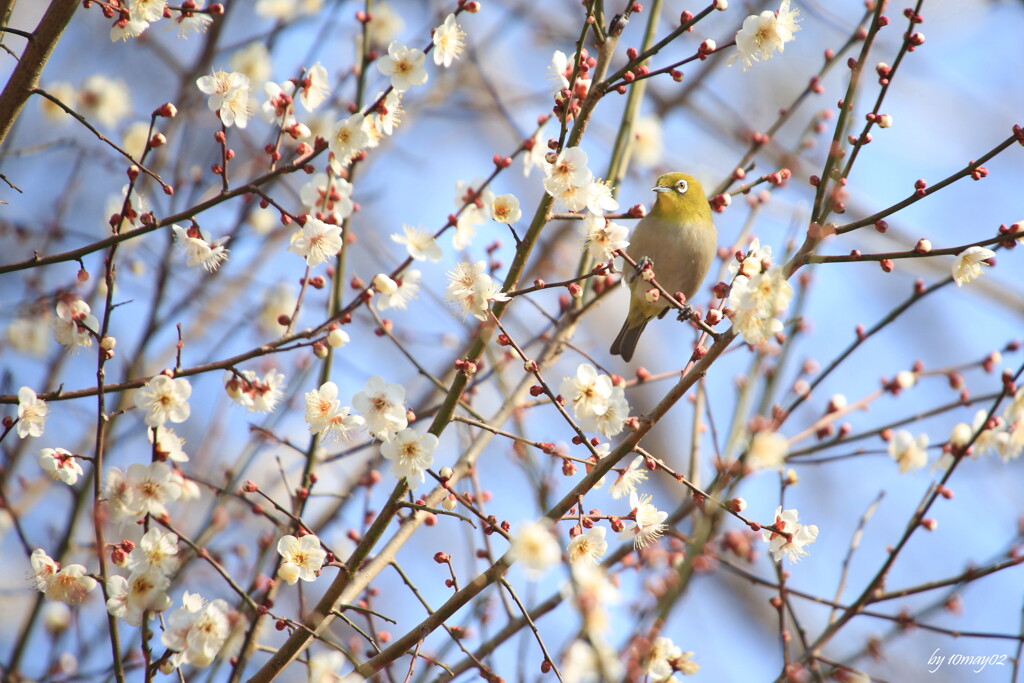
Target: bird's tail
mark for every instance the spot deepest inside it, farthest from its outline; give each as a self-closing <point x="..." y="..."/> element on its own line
<point x="629" y="335"/>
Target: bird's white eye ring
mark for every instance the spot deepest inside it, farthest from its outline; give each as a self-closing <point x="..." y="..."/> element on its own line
<point x="682" y="186"/>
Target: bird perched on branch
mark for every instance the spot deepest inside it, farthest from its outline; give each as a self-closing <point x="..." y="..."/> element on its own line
<point x="678" y="241"/>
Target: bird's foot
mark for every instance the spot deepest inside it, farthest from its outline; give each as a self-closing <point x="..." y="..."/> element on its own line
<point x="687" y="314"/>
<point x="643" y="264"/>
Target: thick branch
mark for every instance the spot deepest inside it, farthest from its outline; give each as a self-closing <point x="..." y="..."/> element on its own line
<point x="30" y="66"/>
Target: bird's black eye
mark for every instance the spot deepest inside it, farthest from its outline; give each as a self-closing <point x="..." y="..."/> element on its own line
<point x="682" y="187"/>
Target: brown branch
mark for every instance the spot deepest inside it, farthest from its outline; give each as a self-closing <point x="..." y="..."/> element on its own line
<point x="30" y="67"/>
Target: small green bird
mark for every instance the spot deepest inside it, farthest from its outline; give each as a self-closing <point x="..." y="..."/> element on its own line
<point x="679" y="239"/>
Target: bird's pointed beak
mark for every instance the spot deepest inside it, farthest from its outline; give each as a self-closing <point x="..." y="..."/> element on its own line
<point x="660" y="188"/>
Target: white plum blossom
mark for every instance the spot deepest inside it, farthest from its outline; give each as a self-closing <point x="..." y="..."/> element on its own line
<point x="278" y="300"/>
<point x="403" y="65"/>
<point x="56" y="617"/>
<point x="44" y="568"/>
<point x="560" y="71"/>
<point x="123" y="29"/>
<point x="406" y="287"/>
<point x="169" y="446"/>
<point x="764" y="34"/>
<point x="599" y="197"/>
<point x="756" y="329"/>
<point x="253" y="61"/>
<point x="314" y="87"/>
<point x="472" y="290"/>
<point x="148" y="10"/>
<point x="196" y="631"/>
<point x="568" y="179"/>
<point x="29" y="334"/>
<point x="135" y="138"/>
<point x="597" y="405"/>
<point x="70" y="585"/>
<point x="665" y="659"/>
<point x="326" y="416"/>
<point x="199" y="249"/>
<point x="145" y="489"/>
<point x="505" y="209"/>
<point x="603" y="237"/>
<point x="410" y="453"/>
<point x="755" y="302"/>
<point x="120" y="497"/>
<point x="663" y="651"/>
<point x="570" y="168"/>
<point x="800" y="535"/>
<point x="317" y="242"/>
<point x="768" y="292"/>
<point x="588" y="392"/>
<point x="632" y="476"/>
<point x="767" y="450"/>
<point x="757" y="260"/>
<point x="325" y="667"/>
<point x="909" y="452"/>
<point x="329" y="195"/>
<point x="383" y="284"/>
<point x="279" y="108"/>
<point x="156" y="551"/>
<point x="967" y="264"/>
<point x="302" y="557"/>
<point x="420" y="243"/>
<point x="189" y="488"/>
<point x="387" y="23"/>
<point x="75" y="325"/>
<point x="613" y="420"/>
<point x="129" y="205"/>
<point x="32" y="412"/>
<point x="648" y="141"/>
<point x="383" y="407"/>
<point x="1014" y="411"/>
<point x="143" y="591"/>
<point x="348" y="137"/>
<point x="118" y="591"/>
<point x="991" y="439"/>
<point x="448" y="39"/>
<point x="337" y="338"/>
<point x="254" y="394"/>
<point x="163" y="399"/>
<point x="229" y="96"/>
<point x="589" y="546"/>
<point x="264" y="394"/>
<point x="535" y="547"/>
<point x="104" y="100"/>
<point x="1014" y="444"/>
<point x="60" y="464"/>
<point x="573" y="197"/>
<point x="590" y="592"/>
<point x="63" y="91"/>
<point x="383" y="120"/>
<point x="587" y="662"/>
<point x="960" y="435"/>
<point x="648" y="521"/>
<point x="190" y="21"/>
<point x="290" y="9"/>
